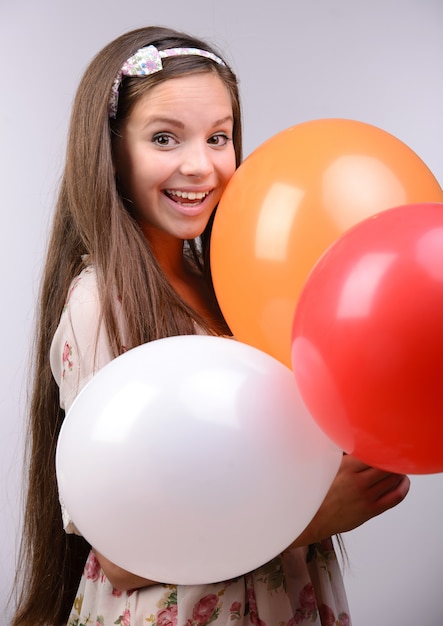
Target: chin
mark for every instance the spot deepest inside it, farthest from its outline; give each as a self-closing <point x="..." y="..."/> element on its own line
<point x="192" y="235"/>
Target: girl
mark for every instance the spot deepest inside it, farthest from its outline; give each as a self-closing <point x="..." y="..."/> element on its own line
<point x="155" y="136"/>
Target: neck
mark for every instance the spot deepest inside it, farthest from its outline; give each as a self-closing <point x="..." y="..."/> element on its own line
<point x="168" y="251"/>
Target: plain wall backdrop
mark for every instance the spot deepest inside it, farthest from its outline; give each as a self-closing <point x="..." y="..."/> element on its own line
<point x="378" y="61"/>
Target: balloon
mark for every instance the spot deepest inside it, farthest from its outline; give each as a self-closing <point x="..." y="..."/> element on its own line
<point x="287" y="203"/>
<point x="192" y="459"/>
<point x="367" y="340"/>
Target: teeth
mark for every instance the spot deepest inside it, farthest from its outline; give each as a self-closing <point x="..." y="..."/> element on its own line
<point x="188" y="195"/>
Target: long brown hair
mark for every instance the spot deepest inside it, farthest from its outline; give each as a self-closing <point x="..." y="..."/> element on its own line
<point x="91" y="219"/>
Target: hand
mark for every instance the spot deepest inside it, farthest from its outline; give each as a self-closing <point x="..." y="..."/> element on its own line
<point x="120" y="578"/>
<point x="358" y="493"/>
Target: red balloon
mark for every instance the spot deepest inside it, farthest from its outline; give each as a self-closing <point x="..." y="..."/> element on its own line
<point x="367" y="340"/>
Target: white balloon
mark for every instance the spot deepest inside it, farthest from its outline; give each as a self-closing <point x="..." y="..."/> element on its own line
<point x="192" y="460"/>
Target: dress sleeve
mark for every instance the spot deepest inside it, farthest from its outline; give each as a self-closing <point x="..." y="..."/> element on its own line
<point x="79" y="348"/>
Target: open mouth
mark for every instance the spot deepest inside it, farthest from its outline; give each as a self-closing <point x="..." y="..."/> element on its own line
<point x="187" y="198"/>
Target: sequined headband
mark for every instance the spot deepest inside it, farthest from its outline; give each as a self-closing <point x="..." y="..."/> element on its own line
<point x="147" y="61"/>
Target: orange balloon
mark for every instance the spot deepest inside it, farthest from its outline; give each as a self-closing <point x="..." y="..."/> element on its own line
<point x="287" y="203"/>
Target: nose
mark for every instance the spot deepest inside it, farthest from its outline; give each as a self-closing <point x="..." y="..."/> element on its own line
<point x="196" y="160"/>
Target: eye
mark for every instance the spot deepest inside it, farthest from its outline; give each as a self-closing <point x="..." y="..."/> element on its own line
<point x="164" y="140"/>
<point x="220" y="139"/>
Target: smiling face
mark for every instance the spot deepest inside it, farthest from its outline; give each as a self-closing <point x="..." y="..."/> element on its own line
<point x="174" y="155"/>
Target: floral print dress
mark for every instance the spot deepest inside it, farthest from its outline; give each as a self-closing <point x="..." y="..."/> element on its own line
<point x="301" y="586"/>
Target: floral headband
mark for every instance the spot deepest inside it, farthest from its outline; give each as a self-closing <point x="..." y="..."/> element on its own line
<point x="148" y="61"/>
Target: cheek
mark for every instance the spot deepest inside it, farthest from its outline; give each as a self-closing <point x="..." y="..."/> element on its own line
<point x="229" y="167"/>
<point x="156" y="168"/>
<point x="147" y="173"/>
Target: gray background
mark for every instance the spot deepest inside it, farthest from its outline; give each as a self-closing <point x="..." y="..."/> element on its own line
<point x="378" y="61"/>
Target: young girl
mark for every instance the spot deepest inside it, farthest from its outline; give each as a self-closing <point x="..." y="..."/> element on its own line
<point x="155" y="136"/>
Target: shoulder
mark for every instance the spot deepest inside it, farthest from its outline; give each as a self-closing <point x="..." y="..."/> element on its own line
<point x="80" y="344"/>
<point x="83" y="289"/>
<point x="82" y="310"/>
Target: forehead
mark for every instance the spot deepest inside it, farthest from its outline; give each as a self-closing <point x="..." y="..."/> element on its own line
<point x="191" y="93"/>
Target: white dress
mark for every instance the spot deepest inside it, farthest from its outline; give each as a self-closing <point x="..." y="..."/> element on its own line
<point x="301" y="586"/>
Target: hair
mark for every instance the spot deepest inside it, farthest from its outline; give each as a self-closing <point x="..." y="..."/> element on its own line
<point x="91" y="219"/>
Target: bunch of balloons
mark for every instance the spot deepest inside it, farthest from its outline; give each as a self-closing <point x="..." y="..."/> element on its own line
<point x="366" y="343"/>
<point x="204" y="457"/>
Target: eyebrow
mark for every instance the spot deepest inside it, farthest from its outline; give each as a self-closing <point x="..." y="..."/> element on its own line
<point x="173" y="122"/>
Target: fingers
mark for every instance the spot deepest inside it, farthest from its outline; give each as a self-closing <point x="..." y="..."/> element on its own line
<point x="382" y="482"/>
<point x="358" y="493"/>
<point x="353" y="464"/>
<point x="395" y="492"/>
<point x="380" y="479"/>
<point x="377" y="489"/>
